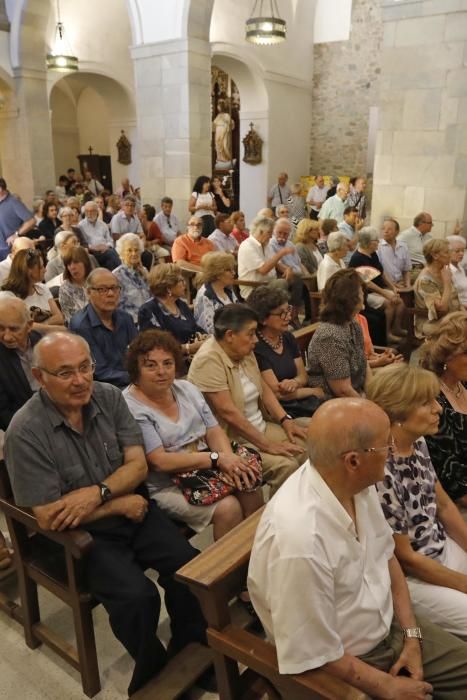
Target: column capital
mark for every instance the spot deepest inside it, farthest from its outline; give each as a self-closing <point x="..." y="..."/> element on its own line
<point x="163" y="48"/>
<point x="34" y="73"/>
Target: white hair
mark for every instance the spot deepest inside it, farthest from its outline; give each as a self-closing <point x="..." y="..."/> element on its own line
<point x="366" y="235"/>
<point x="129" y="238"/>
<point x="455" y="239"/>
<point x="260" y="224"/>
<point x="7" y="303"/>
<point x="60" y="238"/>
<point x="336" y="241"/>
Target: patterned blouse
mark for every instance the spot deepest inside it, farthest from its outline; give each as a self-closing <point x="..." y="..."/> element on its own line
<point x="206" y="304"/>
<point x="134" y="292"/>
<point x="72" y="298"/>
<point x="408" y="499"/>
<point x="448" y="450"/>
<point x="428" y="290"/>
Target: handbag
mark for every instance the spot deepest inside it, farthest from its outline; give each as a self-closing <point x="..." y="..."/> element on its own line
<point x="302" y="408"/>
<point x="203" y="487"/>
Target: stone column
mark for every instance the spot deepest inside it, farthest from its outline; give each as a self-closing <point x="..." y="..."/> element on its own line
<point x="173" y="85"/>
<point x="421" y="150"/>
<point x="26" y="137"/>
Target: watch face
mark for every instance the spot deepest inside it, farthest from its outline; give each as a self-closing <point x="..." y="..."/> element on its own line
<point x="214" y="455"/>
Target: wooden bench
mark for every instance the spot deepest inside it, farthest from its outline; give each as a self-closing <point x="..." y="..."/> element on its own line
<point x="216" y="576"/>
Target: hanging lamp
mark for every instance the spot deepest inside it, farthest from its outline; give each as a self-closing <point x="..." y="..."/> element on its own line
<point x="265" y="30"/>
<point x="61" y="58"/>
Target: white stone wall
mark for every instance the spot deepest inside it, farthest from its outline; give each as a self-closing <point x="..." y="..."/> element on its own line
<point x="421" y="151"/>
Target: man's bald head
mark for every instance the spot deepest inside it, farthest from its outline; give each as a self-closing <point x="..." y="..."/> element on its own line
<point x="343" y="425"/>
<point x="21" y="243"/>
<point x="54" y="347"/>
<point x="13" y="306"/>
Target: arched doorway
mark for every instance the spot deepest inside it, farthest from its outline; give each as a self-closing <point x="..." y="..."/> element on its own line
<point x="89" y="111"/>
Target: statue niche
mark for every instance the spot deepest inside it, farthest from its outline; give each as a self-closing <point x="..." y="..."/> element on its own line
<point x="124" y="149"/>
<point x="253" y="145"/>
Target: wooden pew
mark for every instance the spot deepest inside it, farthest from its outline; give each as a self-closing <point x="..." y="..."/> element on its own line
<point x="216" y="576"/>
<point x="303" y="337"/>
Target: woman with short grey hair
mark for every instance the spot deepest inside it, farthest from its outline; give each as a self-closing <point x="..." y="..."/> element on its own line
<point x="382" y="292"/>
<point x="338" y="247"/>
<point x="458" y="276"/>
<point x="131" y="274"/>
<point x="64" y="241"/>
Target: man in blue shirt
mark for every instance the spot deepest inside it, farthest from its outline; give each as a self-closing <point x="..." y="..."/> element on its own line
<point x="15" y="219"/>
<point x="107" y="330"/>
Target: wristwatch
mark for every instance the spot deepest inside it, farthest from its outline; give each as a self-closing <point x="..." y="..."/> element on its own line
<point x="106" y="493"/>
<point x="214" y="457"/>
<point x="284" y="418"/>
<point x="413" y="633"/>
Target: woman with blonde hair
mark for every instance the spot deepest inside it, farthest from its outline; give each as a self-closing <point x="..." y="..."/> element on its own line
<point x="430" y="535"/>
<point x="306" y="238"/>
<point x="217" y="274"/>
<point x="168" y="310"/>
<point x="435" y="294"/>
<point x="445" y="354"/>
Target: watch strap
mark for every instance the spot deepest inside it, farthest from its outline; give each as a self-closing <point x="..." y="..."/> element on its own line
<point x="413" y="633"/>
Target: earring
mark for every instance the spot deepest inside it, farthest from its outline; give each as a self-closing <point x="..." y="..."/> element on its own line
<point x="399" y="424"/>
<point x="445" y="367"/>
<point x="169" y="293"/>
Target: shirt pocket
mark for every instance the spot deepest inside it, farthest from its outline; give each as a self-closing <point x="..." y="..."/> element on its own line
<point x="74" y="477"/>
<point x="114" y="454"/>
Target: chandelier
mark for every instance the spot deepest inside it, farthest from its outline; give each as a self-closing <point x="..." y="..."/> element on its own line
<point x="264" y="30"/>
<point x="61" y="58"/>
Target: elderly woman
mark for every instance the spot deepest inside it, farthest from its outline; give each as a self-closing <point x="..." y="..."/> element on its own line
<point x="435" y="294"/>
<point x="256" y="258"/>
<point x="278" y="355"/>
<point x="70" y="220"/>
<point x="429" y="533"/>
<point x="239" y="231"/>
<point x="72" y="293"/>
<point x="218" y="274"/>
<point x="226" y="371"/>
<point x="181" y="435"/>
<point x="336" y="354"/>
<point x="458" y="276"/>
<point x="382" y="292"/>
<point x="333" y="260"/>
<point x="306" y="241"/>
<point x="25" y="282"/>
<point x="445" y="354"/>
<point x="296" y="205"/>
<point x="132" y="275"/>
<point x="64" y="241"/>
<point x="167" y="309"/>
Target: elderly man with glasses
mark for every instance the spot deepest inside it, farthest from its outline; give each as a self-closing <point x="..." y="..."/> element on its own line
<point x="416" y="236"/>
<point x="98" y="237"/>
<point x="324" y="578"/>
<point x="75" y="455"/>
<point x="107" y="329"/>
<point x="188" y="249"/>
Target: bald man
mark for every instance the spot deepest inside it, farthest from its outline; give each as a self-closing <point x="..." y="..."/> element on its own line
<point x="323" y="577"/>
<point x="17" y="340"/>
<point x="75" y="455"/>
<point x="19" y="243"/>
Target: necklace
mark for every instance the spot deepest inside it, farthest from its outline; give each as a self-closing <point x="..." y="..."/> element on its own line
<point x="457" y="391"/>
<point x="274" y="346"/>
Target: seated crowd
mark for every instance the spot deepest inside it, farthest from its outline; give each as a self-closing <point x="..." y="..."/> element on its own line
<point x="129" y="409"/>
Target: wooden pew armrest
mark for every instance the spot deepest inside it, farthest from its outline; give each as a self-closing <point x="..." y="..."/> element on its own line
<point x="260" y="656"/>
<point x="77" y="542"/>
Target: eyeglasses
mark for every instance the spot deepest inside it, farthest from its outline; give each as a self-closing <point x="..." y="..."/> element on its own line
<point x="103" y="291"/>
<point x="390" y="449"/>
<point x="282" y="314"/>
<point x="66" y="374"/>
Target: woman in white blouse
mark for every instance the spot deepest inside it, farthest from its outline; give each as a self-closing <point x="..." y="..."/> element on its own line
<point x="25" y="282"/>
<point x="458" y="276"/>
<point x="333" y="260"/>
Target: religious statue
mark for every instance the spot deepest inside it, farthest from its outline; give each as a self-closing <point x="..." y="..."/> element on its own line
<point x="253" y="144"/>
<point x="124" y="149"/>
<point x="222" y="127"/>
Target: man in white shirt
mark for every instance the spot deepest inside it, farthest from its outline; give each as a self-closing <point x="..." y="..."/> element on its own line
<point x="125" y="220"/>
<point x="222" y="237"/>
<point x="168" y="223"/>
<point x="333" y="208"/>
<point x="416" y="236"/>
<point x="394" y="255"/>
<point x="323" y="576"/>
<point x="316" y="196"/>
<point x="20" y="243"/>
<point x="256" y="259"/>
<point x="280" y="192"/>
<point x="98" y="237"/>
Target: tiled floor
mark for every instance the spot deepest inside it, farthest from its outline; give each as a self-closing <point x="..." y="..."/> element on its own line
<point x="40" y="674"/>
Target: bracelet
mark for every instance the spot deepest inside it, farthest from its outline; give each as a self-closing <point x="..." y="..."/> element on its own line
<point x="284" y="418"/>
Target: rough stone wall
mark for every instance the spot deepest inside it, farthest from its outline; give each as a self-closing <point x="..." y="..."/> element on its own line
<point x="345" y="86"/>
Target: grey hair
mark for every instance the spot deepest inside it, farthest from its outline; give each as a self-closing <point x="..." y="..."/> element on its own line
<point x="52" y="338"/>
<point x="65" y="210"/>
<point x="456" y="239"/>
<point x="90" y="205"/>
<point x="279" y="207"/>
<point x="129" y="238"/>
<point x="341" y="186"/>
<point x="282" y="220"/>
<point x="60" y="237"/>
<point x="261" y="224"/>
<point x="366" y="235"/>
<point x="336" y="241"/>
<point x="93" y="273"/>
<point x="8" y="303"/>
